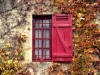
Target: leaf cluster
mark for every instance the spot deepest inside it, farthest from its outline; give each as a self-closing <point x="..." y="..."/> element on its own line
<point x="10" y="59"/>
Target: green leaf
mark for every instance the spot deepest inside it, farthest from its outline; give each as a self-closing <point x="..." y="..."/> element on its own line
<point x="22" y="53"/>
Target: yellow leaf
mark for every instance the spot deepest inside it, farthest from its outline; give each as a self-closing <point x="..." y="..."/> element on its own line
<point x="79" y="15"/>
<point x="9" y="61"/>
<point x="8" y="52"/>
<point x="36" y="1"/>
<point x="95" y="73"/>
<point x="0" y="50"/>
<point x="11" y="71"/>
<point x="55" y="13"/>
<point x="8" y="44"/>
<point x="23" y="37"/>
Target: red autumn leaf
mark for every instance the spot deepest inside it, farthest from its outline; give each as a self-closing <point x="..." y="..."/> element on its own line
<point x="36" y="1"/>
<point x="25" y="1"/>
<point x="27" y="73"/>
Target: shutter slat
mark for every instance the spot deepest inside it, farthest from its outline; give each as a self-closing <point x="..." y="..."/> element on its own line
<point x="61" y="55"/>
<point x="62" y="25"/>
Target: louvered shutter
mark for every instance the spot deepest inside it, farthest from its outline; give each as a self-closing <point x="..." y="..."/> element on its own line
<point x="62" y="49"/>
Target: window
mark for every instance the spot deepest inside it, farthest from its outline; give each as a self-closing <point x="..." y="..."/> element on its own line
<point x="42" y="37"/>
<point x="52" y="38"/>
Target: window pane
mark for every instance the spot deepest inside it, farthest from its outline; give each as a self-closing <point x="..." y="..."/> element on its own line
<point x="40" y="21"/>
<point x="47" y="43"/>
<point x="43" y="21"/>
<point x="40" y="53"/>
<point x="47" y="34"/>
<point x="44" y="43"/>
<point x="50" y="20"/>
<point x="40" y="25"/>
<point x="36" y="25"/>
<point x="40" y="43"/>
<point x="36" y="53"/>
<point x="40" y="33"/>
<point x="47" y="53"/>
<point x="36" y="43"/>
<point x="36" y="21"/>
<point x="43" y="25"/>
<point x="47" y="25"/>
<point x="47" y="21"/>
<point x="36" y="33"/>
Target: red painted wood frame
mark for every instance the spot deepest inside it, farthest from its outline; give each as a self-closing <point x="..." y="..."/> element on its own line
<point x="42" y="38"/>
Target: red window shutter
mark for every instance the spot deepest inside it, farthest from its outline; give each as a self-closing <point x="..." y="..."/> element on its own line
<point x="62" y="49"/>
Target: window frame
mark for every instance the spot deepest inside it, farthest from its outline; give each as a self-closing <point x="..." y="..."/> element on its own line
<point x="43" y="17"/>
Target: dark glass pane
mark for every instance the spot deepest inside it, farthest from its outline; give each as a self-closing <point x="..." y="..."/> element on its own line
<point x="40" y="33"/>
<point x="36" y="53"/>
<point x="40" y="53"/>
<point x="36" y="21"/>
<point x="47" y="53"/>
<point x="36" y="25"/>
<point x="36" y="43"/>
<point x="36" y="33"/>
<point x="40" y="21"/>
<point x="40" y="43"/>
<point x="47" y="43"/>
<point x="43" y="21"/>
<point x="47" y="21"/>
<point x="50" y="20"/>
<point x="47" y="34"/>
<point x="47" y="25"/>
<point x="40" y="25"/>
<point x="43" y="25"/>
